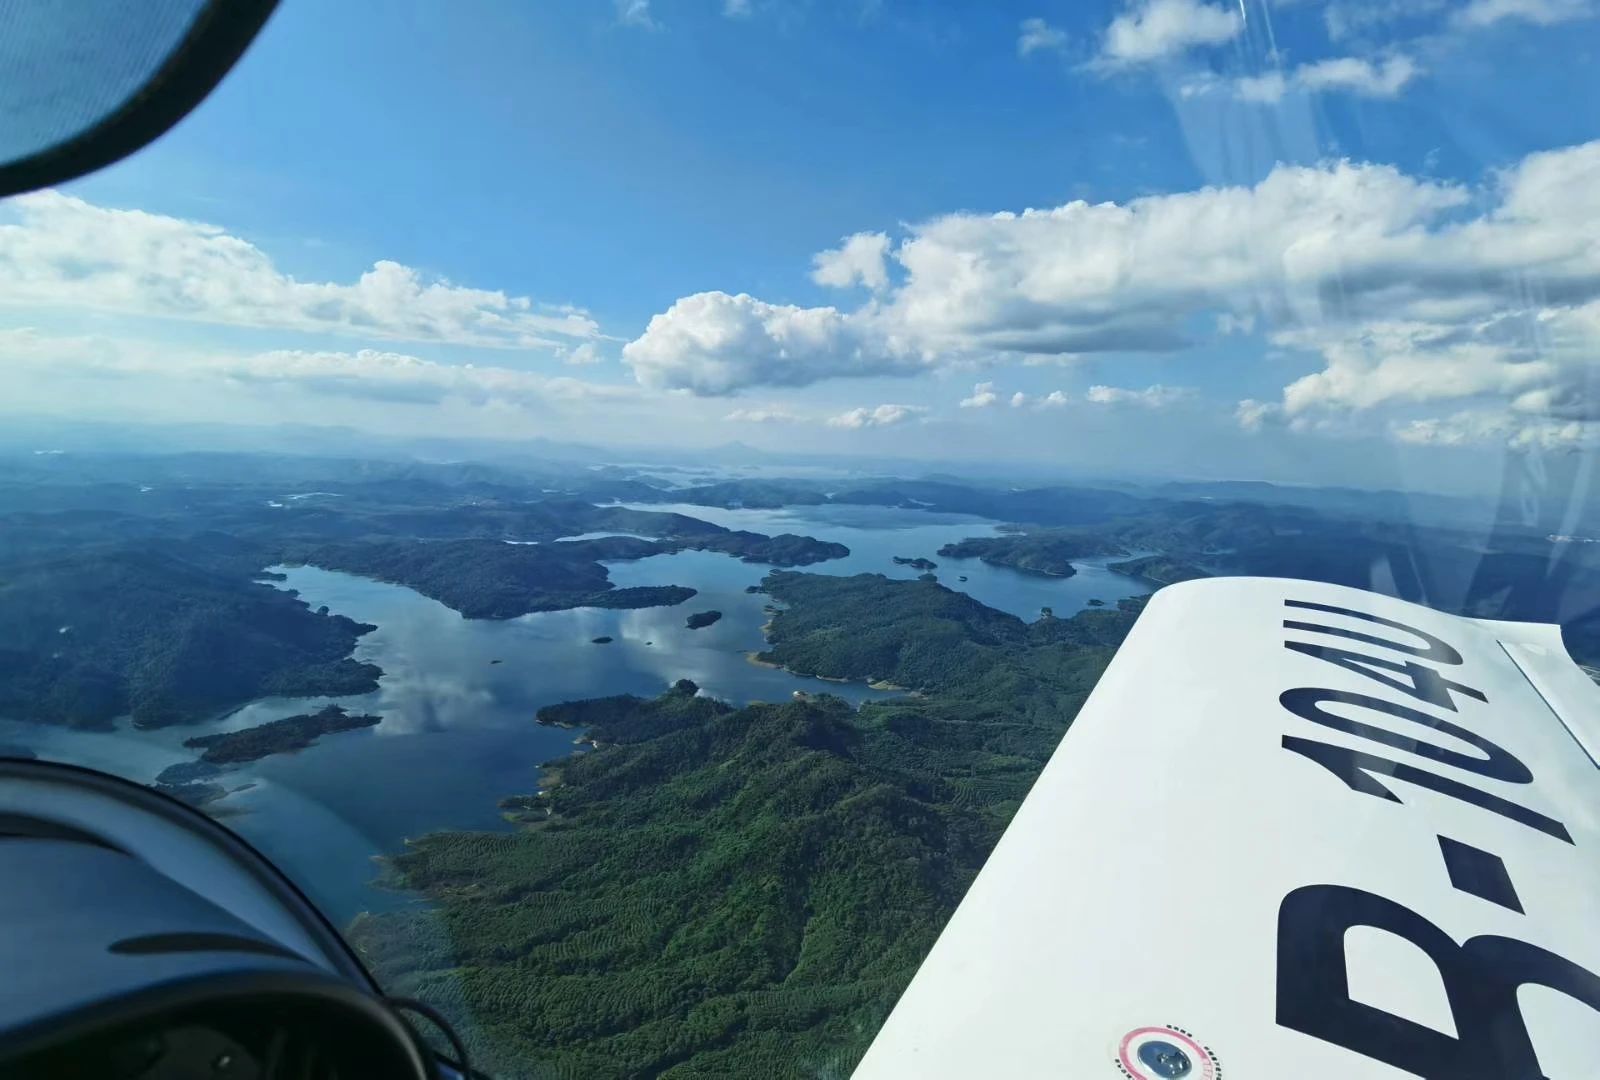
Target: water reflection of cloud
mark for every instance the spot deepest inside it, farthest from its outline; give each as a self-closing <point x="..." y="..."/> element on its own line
<point x="421" y="700"/>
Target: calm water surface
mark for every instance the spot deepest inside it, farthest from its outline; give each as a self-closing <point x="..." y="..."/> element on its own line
<point x="458" y="696"/>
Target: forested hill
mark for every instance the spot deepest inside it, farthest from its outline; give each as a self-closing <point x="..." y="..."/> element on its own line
<point x="490" y="579"/>
<point x="745" y="892"/>
<point x="167" y="636"/>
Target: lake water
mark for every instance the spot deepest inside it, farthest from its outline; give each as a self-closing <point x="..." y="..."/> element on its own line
<point x="458" y="732"/>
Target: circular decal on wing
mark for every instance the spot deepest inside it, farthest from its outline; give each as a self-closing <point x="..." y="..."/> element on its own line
<point x="1165" y="1053"/>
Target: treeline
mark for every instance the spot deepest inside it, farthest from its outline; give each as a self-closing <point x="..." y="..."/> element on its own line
<point x="276" y="736"/>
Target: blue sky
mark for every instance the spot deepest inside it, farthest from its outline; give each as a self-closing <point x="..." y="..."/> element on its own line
<point x="654" y="201"/>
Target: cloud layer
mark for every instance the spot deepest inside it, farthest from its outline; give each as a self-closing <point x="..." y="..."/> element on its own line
<point x="64" y="252"/>
<point x="368" y="374"/>
<point x="1407" y="290"/>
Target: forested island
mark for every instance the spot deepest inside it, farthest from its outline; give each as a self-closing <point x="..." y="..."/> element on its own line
<point x="722" y="891"/>
<point x="702" y="619"/>
<point x="489" y="579"/>
<point x="1040" y="552"/>
<point x="917" y="563"/>
<point x="277" y="736"/>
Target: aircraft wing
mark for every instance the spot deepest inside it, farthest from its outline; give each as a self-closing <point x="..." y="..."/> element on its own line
<point x="1298" y="830"/>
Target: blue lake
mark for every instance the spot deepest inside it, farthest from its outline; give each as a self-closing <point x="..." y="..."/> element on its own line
<point x="458" y="731"/>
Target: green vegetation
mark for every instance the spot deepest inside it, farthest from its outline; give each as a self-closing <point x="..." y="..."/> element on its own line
<point x="917" y="563"/>
<point x="170" y="636"/>
<point x="702" y="618"/>
<point x="1158" y="569"/>
<point x="1038" y="552"/>
<point x="744" y="892"/>
<point x="488" y="579"/>
<point x="277" y="736"/>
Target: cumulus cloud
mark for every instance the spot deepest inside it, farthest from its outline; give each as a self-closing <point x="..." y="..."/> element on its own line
<point x="861" y="258"/>
<point x="1404" y="291"/>
<point x="369" y="374"/>
<point x="1155" y="30"/>
<point x="882" y="416"/>
<point x="1053" y="400"/>
<point x="63" y="251"/>
<point x="1539" y="12"/>
<point x="712" y="343"/>
<point x="581" y="356"/>
<point x="1036" y="35"/>
<point x="1151" y="397"/>
<point x="1384" y="79"/>
<point x="1018" y="400"/>
<point x="983" y="396"/>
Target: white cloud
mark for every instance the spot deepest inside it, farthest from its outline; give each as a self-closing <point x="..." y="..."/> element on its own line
<point x="1151" y="397"/>
<point x="1478" y="427"/>
<point x="1253" y="415"/>
<point x="712" y="343"/>
<point x="771" y="414"/>
<point x="1539" y="12"/>
<point x="1404" y="291"/>
<point x="636" y="13"/>
<point x="1055" y="399"/>
<point x="1349" y="74"/>
<point x="861" y="258"/>
<point x="882" y="416"/>
<point x="1351" y="18"/>
<point x="582" y="356"/>
<point x="369" y="374"/>
<point x="1155" y="30"/>
<point x="64" y="252"/>
<point x="983" y="396"/>
<point x="1037" y="35"/>
<point x="1018" y="400"/>
<point x="736" y="9"/>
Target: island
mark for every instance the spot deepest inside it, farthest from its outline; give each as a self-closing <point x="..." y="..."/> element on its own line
<point x="1043" y="551"/>
<point x="702" y="618"/>
<point x="490" y="579"/>
<point x="604" y="639"/>
<point x="277" y="736"/>
<point x="927" y="577"/>
<point x="916" y="563"/>
<point x="17" y="750"/>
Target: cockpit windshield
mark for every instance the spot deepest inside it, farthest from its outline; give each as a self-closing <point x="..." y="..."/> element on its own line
<point x="620" y="501"/>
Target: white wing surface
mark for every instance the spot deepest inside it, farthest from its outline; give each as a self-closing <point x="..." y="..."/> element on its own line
<point x="1298" y="830"/>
